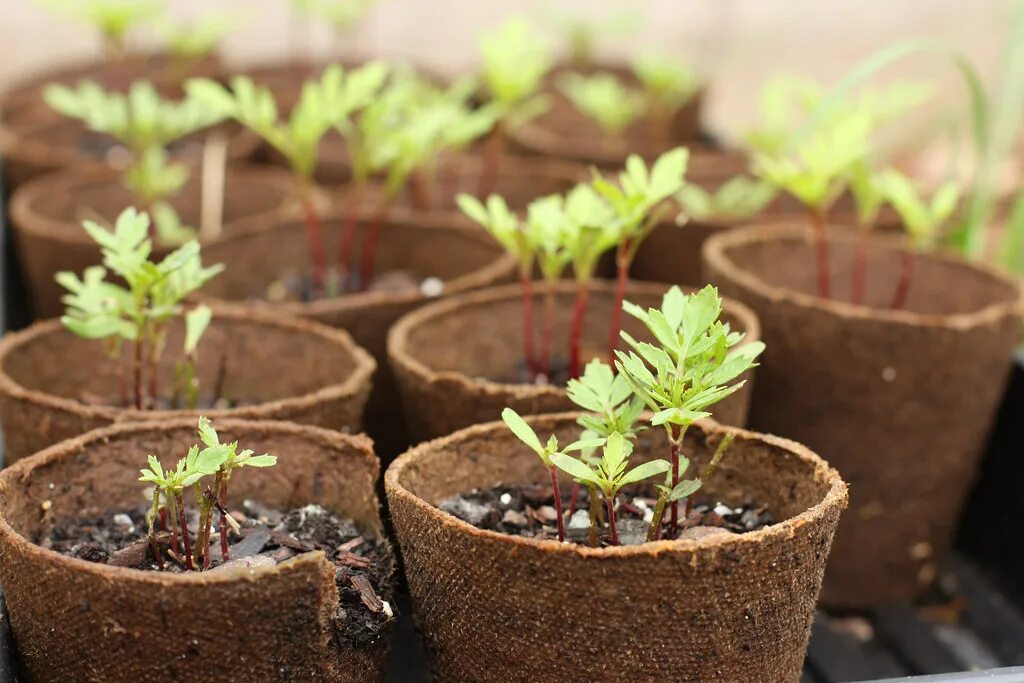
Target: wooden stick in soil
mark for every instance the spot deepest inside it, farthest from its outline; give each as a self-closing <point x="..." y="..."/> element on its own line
<point x="576" y="328"/>
<point x="314" y="234"/>
<point x="368" y="257"/>
<point x="621" y="278"/>
<point x="821" y="249"/>
<point x="858" y="270"/>
<point x="493" y="152"/>
<point x="211" y="211"/>
<point x="610" y="504"/>
<point x="347" y="238"/>
<point x="558" y="502"/>
<point x="899" y="297"/>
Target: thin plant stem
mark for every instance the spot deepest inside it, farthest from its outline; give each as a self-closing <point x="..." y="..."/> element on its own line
<point x="492" y="161"/>
<point x="573" y="498"/>
<point x="558" y="502"/>
<point x="368" y="257"/>
<point x="314" y="234"/>
<point x="595" y="512"/>
<point x="621" y="278"/>
<point x="654" y="532"/>
<point x="191" y="382"/>
<point x="174" y="523"/>
<point x="899" y="297"/>
<point x="186" y="541"/>
<point x="153" y="513"/>
<point x="347" y="238"/>
<point x="675" y="448"/>
<point x="526" y="287"/>
<point x="610" y="504"/>
<point x="576" y="328"/>
<point x="548" y="329"/>
<point x="222" y="526"/>
<point x="859" y="269"/>
<point x="821" y="250"/>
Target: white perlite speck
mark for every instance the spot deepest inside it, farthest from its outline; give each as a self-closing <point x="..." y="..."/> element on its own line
<point x="580" y="520"/>
<point x="506" y="498"/>
<point x="432" y="287"/>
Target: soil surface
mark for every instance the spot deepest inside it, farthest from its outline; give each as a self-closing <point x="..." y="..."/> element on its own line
<point x="298" y="287"/>
<point x="528" y="510"/>
<point x="364" y="564"/>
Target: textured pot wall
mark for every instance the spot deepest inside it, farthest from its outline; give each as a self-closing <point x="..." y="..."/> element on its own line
<point x="734" y="609"/>
<point x="900" y="402"/>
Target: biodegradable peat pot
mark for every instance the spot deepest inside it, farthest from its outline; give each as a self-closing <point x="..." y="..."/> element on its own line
<point x="738" y="609"/>
<point x="899" y="401"/>
<point x="462" y="257"/>
<point x="53" y="383"/>
<point x="455" y="360"/>
<point x="79" y="620"/>
<point x="47" y="214"/>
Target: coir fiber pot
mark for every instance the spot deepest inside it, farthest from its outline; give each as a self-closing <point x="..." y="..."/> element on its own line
<point x="79" y="620"/>
<point x="898" y="401"/>
<point x="727" y="608"/>
<point x="47" y="215"/>
<point x="55" y="385"/>
<point x="462" y="257"/>
<point x="456" y="360"/>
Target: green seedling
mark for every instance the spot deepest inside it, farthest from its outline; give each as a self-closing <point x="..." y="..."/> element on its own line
<point x="545" y="229"/>
<point x="515" y="63"/>
<point x="603" y="98"/>
<point x="691" y="367"/>
<point x="868" y="201"/>
<point x="340" y="15"/>
<point x="639" y="203"/>
<point x="111" y="19"/>
<point x="668" y="83"/>
<point x="785" y="101"/>
<point x="214" y="459"/>
<point x="191" y="42"/>
<point x="145" y="124"/>
<point x="580" y="33"/>
<point x="325" y="103"/>
<point x="139" y="311"/>
<point x="736" y="199"/>
<point x="685" y="488"/>
<point x="609" y="475"/>
<point x="923" y="219"/>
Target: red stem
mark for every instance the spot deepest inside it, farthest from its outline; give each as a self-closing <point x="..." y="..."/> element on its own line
<point x="314" y="234"/>
<point x="492" y="161"/>
<point x="558" y="503"/>
<point x="860" y="266"/>
<point x="622" y="276"/>
<point x="821" y="247"/>
<point x="222" y="525"/>
<point x="610" y="504"/>
<point x="548" y="331"/>
<point x="573" y="498"/>
<point x="184" y="530"/>
<point x="576" y="329"/>
<point x="163" y="520"/>
<point x="368" y="258"/>
<point x="526" y="284"/>
<point x="899" y="297"/>
<point x="674" y="448"/>
<point x="347" y="239"/>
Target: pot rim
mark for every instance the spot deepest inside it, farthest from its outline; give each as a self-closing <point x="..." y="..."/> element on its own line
<point x="357" y="443"/>
<point x="29" y="221"/>
<point x="494" y="271"/>
<point x="361" y="375"/>
<point x="835" y="496"/>
<point x="715" y="252"/>
<point x="398" y="336"/>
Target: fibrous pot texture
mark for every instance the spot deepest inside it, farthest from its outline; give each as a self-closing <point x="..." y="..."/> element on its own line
<point x="729" y="608"/>
<point x="54" y="385"/>
<point x="899" y="401"/>
<point x="456" y="360"/>
<point x="79" y="620"/>
<point x="47" y="215"/>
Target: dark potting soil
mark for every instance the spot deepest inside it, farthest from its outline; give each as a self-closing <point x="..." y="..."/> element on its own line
<point x="363" y="563"/>
<point x="557" y="372"/>
<point x="528" y="510"/>
<point x="298" y="287"/>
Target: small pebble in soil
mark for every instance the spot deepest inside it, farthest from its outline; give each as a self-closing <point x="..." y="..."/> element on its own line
<point x="528" y="510"/>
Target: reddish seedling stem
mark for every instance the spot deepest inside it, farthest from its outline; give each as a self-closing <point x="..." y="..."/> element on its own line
<point x="899" y="297"/>
<point x="347" y="239"/>
<point x="860" y="266"/>
<point x="610" y="504"/>
<point x="576" y="329"/>
<point x="187" y="542"/>
<point x="222" y="527"/>
<point x="573" y="498"/>
<point x="674" y="448"/>
<point x="526" y="285"/>
<point x="163" y="519"/>
<point x="314" y="234"/>
<point x="558" y="503"/>
<point x="621" y="278"/>
<point x="368" y="256"/>
<point x="821" y="249"/>
<point x="492" y="161"/>
<point x="548" y="330"/>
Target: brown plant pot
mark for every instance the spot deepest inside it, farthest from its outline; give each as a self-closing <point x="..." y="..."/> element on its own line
<point x="77" y="620"/>
<point x="461" y="256"/>
<point x="47" y="214"/>
<point x="274" y="367"/>
<point x="734" y="608"/>
<point x="453" y="359"/>
<point x="899" y="401"/>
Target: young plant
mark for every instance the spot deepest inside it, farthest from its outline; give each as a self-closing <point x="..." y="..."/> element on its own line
<point x="603" y="98"/>
<point x="923" y="220"/>
<point x="215" y="459"/>
<point x="145" y="124"/>
<point x="323" y="105"/>
<point x="580" y="33"/>
<point x="340" y="15"/>
<point x="668" y="84"/>
<point x="515" y="63"/>
<point x="139" y="311"/>
<point x="689" y="370"/>
<point x="111" y="19"/>
<point x="545" y="229"/>
<point x="609" y="474"/>
<point x="505" y="227"/>
<point x="738" y="198"/>
<point x="192" y="42"/>
<point x="638" y="202"/>
<point x="686" y="488"/>
<point x="868" y="201"/>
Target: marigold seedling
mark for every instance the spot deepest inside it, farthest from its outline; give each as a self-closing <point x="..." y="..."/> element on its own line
<point x="668" y="84"/>
<point x="736" y="199"/>
<point x="193" y="41"/>
<point x="139" y="311"/>
<point x="111" y="19"/>
<point x="691" y="367"/>
<point x="603" y="98"/>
